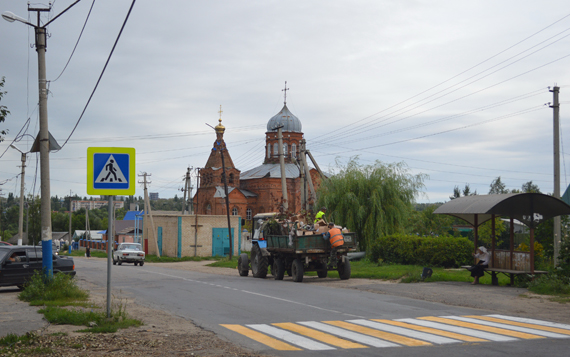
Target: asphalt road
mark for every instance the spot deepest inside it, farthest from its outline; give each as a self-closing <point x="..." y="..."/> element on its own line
<point x="284" y="318"/>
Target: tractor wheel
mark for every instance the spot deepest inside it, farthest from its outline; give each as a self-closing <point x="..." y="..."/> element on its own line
<point x="344" y="270"/>
<point x="297" y="270"/>
<point x="278" y="269"/>
<point x="258" y="263"/>
<point x="322" y="272"/>
<point x="243" y="265"/>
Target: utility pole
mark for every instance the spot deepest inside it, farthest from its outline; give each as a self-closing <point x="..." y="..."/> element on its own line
<point x="227" y="201"/>
<point x="70" y="238"/>
<point x="148" y="212"/>
<point x="196" y="212"/>
<point x="186" y="187"/>
<point x="556" y="116"/>
<point x="21" y="216"/>
<point x="44" y="136"/>
<point x="282" y="166"/>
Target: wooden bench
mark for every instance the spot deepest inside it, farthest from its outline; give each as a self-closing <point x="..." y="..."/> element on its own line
<point x="511" y="273"/>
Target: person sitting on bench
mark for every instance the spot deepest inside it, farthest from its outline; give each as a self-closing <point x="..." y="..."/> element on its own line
<point x="478" y="270"/>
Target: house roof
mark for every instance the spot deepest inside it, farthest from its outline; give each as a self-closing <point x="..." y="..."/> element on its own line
<point x="528" y="208"/>
<point x="131" y="215"/>
<point x="270" y="171"/>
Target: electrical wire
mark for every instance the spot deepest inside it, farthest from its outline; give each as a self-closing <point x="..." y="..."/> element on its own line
<point x="76" y="43"/>
<point x="100" y="76"/>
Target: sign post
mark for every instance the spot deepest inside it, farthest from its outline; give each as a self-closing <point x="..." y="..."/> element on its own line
<point x="110" y="171"/>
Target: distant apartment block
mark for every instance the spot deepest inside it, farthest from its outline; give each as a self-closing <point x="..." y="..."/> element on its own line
<point x="77" y="205"/>
<point x="153" y="196"/>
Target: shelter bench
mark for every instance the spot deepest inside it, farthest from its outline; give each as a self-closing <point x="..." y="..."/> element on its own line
<point x="508" y="272"/>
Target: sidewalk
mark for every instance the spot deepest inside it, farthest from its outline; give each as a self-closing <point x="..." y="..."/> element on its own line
<point x="16" y="316"/>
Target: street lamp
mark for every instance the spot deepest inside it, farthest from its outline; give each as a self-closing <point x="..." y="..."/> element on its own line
<point x="21" y="218"/>
<point x="43" y="137"/>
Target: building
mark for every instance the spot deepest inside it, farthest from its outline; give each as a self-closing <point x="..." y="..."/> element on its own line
<point x="257" y="190"/>
<point x="77" y="205"/>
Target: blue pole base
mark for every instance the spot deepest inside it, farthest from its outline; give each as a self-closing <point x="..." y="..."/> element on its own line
<point x="47" y="260"/>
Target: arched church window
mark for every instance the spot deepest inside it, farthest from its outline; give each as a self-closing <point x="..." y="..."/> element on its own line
<point x="293" y="150"/>
<point x="284" y="149"/>
<point x="234" y="211"/>
<point x="248" y="214"/>
<point x="222" y="176"/>
<point x="269" y="151"/>
<point x="275" y="150"/>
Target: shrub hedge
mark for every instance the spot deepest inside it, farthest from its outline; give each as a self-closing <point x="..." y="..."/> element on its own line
<point x="442" y="251"/>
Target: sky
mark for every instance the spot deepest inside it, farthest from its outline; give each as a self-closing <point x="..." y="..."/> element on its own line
<point x="455" y="90"/>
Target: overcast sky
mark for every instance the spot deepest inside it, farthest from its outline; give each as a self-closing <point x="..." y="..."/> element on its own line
<point x="458" y="90"/>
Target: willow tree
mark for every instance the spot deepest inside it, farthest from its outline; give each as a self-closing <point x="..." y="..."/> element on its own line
<point x="372" y="200"/>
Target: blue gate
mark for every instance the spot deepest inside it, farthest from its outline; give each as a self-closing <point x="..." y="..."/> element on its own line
<point x="221" y="242"/>
<point x="159" y="240"/>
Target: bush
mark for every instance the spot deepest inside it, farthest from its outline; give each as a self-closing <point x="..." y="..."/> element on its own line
<point x="61" y="288"/>
<point x="444" y="251"/>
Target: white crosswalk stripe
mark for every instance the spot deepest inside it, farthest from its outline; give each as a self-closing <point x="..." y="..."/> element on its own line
<point x="508" y="327"/>
<point x="457" y="329"/>
<point x="371" y="341"/>
<point x="405" y="332"/>
<point x="291" y="337"/>
<point x="532" y="321"/>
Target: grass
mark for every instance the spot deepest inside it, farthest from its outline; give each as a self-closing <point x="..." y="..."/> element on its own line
<point x="60" y="293"/>
<point x="15" y="345"/>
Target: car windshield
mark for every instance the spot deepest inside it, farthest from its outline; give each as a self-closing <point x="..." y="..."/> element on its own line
<point x="3" y="253"/>
<point x="130" y="247"/>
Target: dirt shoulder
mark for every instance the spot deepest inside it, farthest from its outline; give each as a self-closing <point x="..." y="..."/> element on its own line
<point x="166" y="334"/>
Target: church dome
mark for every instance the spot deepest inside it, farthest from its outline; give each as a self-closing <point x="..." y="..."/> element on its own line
<point x="285" y="118"/>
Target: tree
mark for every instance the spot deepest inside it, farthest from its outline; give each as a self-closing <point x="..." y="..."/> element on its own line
<point x="371" y="200"/>
<point x="497" y="187"/>
<point x="529" y="187"/>
<point x="3" y="110"/>
<point x="466" y="192"/>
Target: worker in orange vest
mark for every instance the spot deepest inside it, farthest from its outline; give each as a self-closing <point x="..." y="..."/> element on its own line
<point x="335" y="237"/>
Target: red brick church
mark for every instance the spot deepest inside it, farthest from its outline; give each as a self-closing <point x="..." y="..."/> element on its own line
<point x="257" y="190"/>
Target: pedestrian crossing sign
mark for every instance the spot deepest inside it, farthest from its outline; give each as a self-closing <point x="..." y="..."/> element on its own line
<point x="110" y="171"/>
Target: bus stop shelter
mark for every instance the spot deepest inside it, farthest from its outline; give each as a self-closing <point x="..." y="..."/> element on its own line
<point x="529" y="208"/>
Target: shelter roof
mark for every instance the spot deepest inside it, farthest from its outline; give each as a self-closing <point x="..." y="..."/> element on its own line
<point x="529" y="208"/>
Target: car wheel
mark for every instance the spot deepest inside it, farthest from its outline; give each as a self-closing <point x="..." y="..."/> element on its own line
<point x="243" y="265"/>
<point x="258" y="263"/>
<point x="136" y="263"/>
<point x="120" y="262"/>
<point x="297" y="270"/>
<point x="344" y="270"/>
<point x="114" y="262"/>
<point x="141" y="264"/>
<point x="278" y="269"/>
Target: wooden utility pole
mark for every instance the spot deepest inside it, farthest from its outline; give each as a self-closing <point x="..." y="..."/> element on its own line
<point x="556" y="117"/>
<point x="196" y="213"/>
<point x="148" y="212"/>
<point x="70" y="238"/>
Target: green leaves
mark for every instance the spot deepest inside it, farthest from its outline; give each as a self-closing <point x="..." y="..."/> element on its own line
<point x="372" y="200"/>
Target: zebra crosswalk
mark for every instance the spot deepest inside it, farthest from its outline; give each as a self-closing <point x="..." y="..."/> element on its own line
<point x="421" y="331"/>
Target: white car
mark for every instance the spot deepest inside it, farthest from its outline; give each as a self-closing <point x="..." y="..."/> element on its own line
<point x="129" y="253"/>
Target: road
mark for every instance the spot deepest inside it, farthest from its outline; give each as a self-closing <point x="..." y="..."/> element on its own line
<point x="284" y="318"/>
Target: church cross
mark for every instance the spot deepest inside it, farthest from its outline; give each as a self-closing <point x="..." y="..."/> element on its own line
<point x="285" y="90"/>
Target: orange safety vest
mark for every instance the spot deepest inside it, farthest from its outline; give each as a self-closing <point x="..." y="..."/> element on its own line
<point x="336" y="237"/>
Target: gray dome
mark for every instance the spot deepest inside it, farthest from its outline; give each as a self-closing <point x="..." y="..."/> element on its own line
<point x="287" y="119"/>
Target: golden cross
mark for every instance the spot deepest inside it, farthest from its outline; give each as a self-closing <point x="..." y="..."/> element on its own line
<point x="221" y="111"/>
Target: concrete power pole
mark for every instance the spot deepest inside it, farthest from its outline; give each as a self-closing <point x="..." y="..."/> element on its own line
<point x="186" y="189"/>
<point x="148" y="212"/>
<point x="21" y="217"/>
<point x="282" y="165"/>
<point x="556" y="116"/>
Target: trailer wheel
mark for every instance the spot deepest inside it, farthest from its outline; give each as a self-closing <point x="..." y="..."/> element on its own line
<point x="297" y="270"/>
<point x="344" y="270"/>
<point x="243" y="265"/>
<point x="322" y="271"/>
<point x="278" y="269"/>
<point x="258" y="263"/>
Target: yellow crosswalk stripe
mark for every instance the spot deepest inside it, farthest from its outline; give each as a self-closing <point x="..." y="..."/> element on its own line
<point x="262" y="338"/>
<point x="522" y="324"/>
<point x="433" y="331"/>
<point x="318" y="335"/>
<point x="526" y="336"/>
<point x="406" y="341"/>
